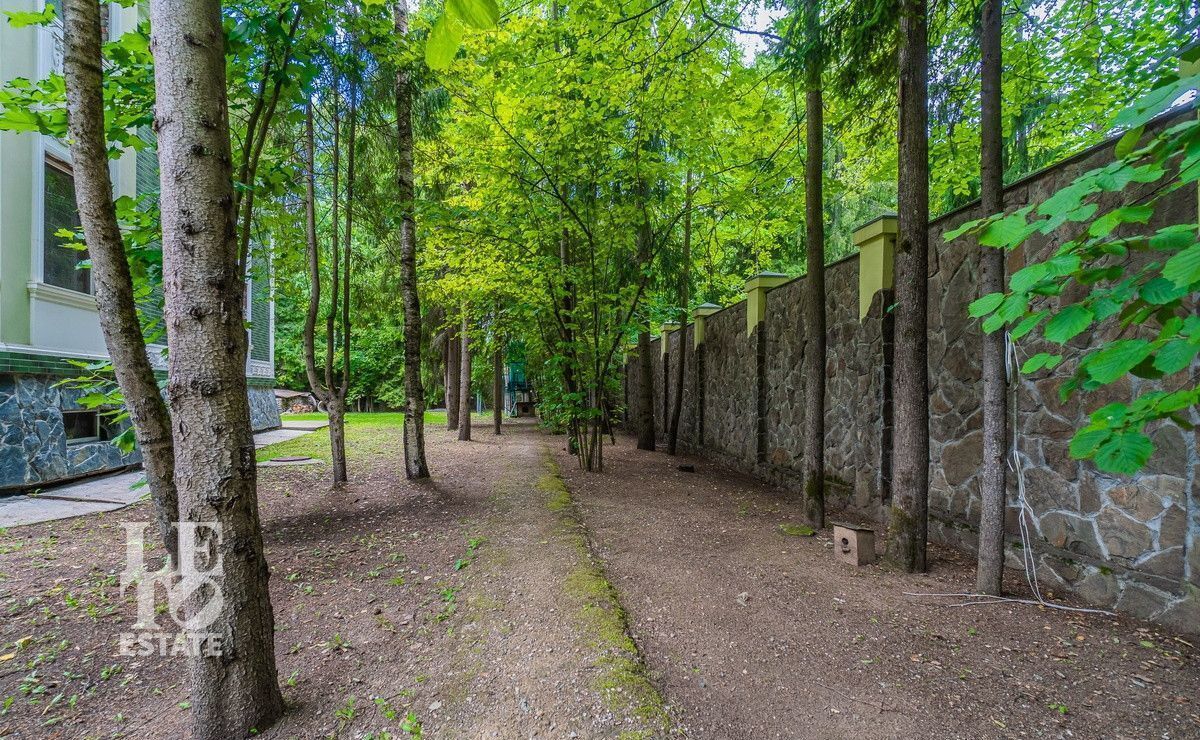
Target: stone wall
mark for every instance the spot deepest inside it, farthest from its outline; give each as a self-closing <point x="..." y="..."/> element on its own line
<point x="33" y="446"/>
<point x="33" y="443"/>
<point x="264" y="409"/>
<point x="1128" y="544"/>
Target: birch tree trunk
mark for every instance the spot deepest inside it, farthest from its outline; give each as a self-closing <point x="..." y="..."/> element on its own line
<point x="414" y="393"/>
<point x="237" y="689"/>
<point x="464" y="384"/>
<point x="990" y="574"/>
<point x="814" y="283"/>
<point x="908" y="521"/>
<point x="110" y="269"/>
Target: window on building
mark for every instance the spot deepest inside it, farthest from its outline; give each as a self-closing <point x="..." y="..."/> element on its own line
<point x="81" y="426"/>
<point x="88" y="426"/>
<point x="60" y="263"/>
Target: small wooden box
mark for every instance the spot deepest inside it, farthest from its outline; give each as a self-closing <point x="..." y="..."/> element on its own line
<point x="854" y="545"/>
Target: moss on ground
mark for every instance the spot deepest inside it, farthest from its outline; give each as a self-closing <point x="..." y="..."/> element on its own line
<point x="796" y="530"/>
<point x="623" y="681"/>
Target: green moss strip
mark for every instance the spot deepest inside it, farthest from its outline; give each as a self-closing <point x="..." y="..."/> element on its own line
<point x="623" y="680"/>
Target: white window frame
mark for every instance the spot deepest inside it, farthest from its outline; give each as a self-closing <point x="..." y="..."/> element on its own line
<point x="48" y="147"/>
<point x="83" y="440"/>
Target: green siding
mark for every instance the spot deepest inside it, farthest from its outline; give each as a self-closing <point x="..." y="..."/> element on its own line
<point x="260" y="313"/>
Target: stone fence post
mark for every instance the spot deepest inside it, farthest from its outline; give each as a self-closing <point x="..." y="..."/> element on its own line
<point x="756" y="314"/>
<point x="876" y="242"/>
<point x="699" y="316"/>
<point x="665" y="352"/>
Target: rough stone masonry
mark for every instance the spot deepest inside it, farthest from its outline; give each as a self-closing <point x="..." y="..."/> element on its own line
<point x="1128" y="544"/>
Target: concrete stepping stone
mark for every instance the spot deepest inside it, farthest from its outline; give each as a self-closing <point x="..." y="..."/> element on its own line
<point x="17" y="510"/>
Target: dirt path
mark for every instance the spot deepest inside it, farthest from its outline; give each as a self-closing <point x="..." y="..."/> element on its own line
<point x="752" y="633"/>
<point x="468" y="605"/>
<point x="541" y="632"/>
<point x="480" y="605"/>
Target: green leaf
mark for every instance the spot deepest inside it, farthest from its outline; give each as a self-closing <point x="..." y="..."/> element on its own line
<point x="477" y="13"/>
<point x="1039" y="361"/>
<point x="1068" y="323"/>
<point x="1084" y="443"/>
<point x="1027" y="277"/>
<point x="18" y="19"/>
<point x="1013" y="308"/>
<point x="1184" y="268"/>
<point x="1117" y="359"/>
<point x="1156" y="101"/>
<point x="443" y="43"/>
<point x="1123" y="215"/>
<point x="1161" y="291"/>
<point x="1006" y="232"/>
<point x="953" y="234"/>
<point x="1128" y="142"/>
<point x="985" y="305"/>
<point x="1175" y="355"/>
<point x="1124" y="453"/>
<point x="1173" y="238"/>
<point x="992" y="323"/>
<point x="1028" y="324"/>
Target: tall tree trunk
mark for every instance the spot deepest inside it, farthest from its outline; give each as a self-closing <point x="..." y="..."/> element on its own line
<point x="414" y="394"/>
<point x="566" y="327"/>
<point x="684" y="285"/>
<point x="236" y="690"/>
<point x="990" y="574"/>
<point x="497" y="387"/>
<point x="453" y="376"/>
<point x="337" y="436"/>
<point x="464" y="384"/>
<point x="110" y="270"/>
<point x="323" y="389"/>
<point x="313" y="255"/>
<point x="646" y="432"/>
<point x="339" y="445"/>
<point x="336" y="402"/>
<point x="814" y="284"/>
<point x="908" y="521"/>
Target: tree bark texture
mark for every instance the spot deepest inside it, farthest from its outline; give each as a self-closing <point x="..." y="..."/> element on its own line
<point x="908" y="521"/>
<point x="464" y="384"/>
<point x="453" y="376"/>
<point x="215" y="470"/>
<point x="498" y="388"/>
<point x="990" y="574"/>
<point x="646" y="432"/>
<point x="414" y="392"/>
<point x="110" y="270"/>
<point x="684" y="285"/>
<point x="814" y="284"/>
<point x="324" y="389"/>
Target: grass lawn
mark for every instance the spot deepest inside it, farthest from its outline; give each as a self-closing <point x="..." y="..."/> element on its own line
<point x="367" y="435"/>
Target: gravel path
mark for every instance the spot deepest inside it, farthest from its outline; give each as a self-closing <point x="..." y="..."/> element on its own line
<point x="753" y="633"/>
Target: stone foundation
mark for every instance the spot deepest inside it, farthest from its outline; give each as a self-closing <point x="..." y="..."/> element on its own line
<point x="33" y="443"/>
<point x="34" y="450"/>
<point x="264" y="409"/>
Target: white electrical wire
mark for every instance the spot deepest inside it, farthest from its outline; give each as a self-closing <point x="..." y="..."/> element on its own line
<point x="1028" y="560"/>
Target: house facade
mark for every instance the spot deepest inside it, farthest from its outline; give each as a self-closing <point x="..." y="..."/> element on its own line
<point x="48" y="315"/>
